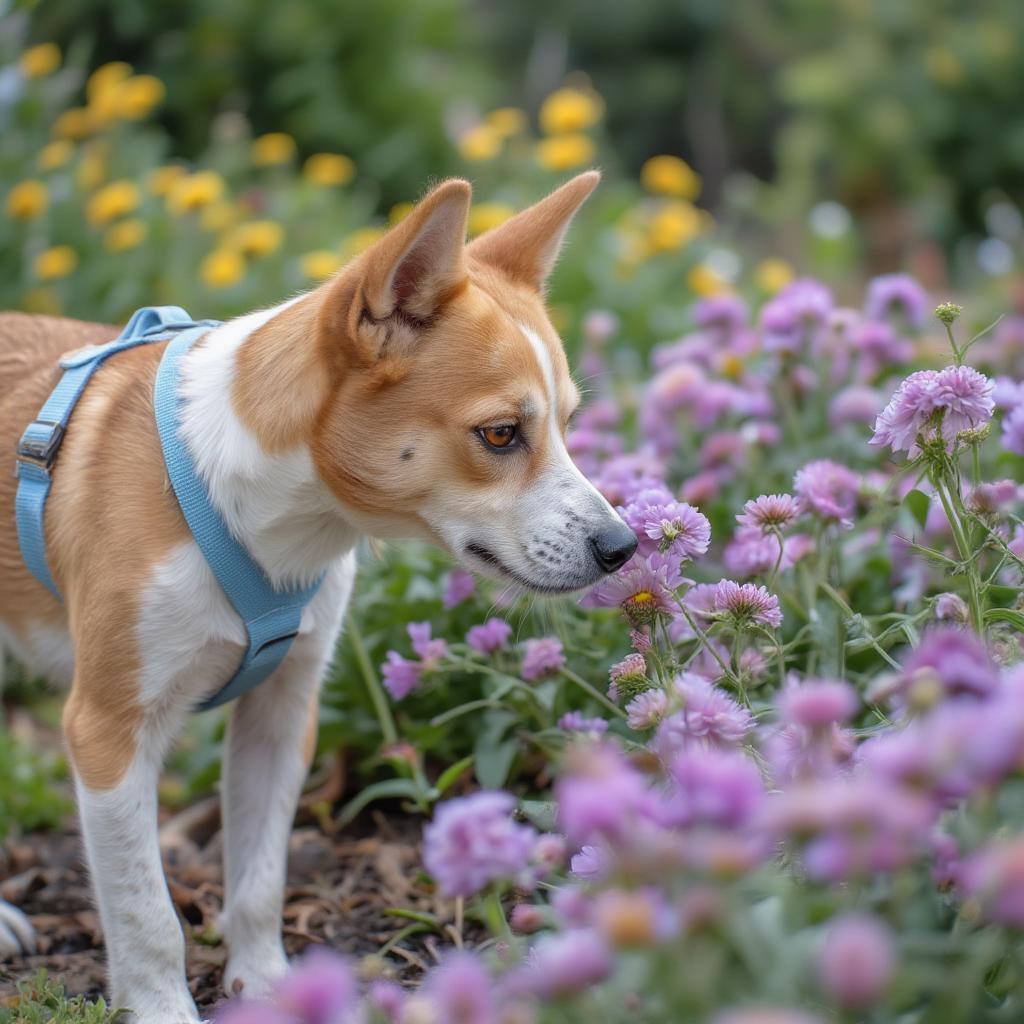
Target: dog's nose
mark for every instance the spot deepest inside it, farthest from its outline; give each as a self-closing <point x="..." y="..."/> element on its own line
<point x="613" y="546"/>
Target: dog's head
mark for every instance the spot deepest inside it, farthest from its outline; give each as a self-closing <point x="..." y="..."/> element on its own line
<point x="451" y="396"/>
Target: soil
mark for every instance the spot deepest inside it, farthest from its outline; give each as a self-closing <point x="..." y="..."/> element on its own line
<point x="343" y="889"/>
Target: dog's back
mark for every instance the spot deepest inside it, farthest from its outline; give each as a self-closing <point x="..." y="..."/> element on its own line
<point x="30" y="347"/>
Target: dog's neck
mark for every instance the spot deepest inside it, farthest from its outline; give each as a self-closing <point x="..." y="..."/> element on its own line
<point x="274" y="504"/>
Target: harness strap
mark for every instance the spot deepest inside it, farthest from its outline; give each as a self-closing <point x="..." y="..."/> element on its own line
<point x="271" y="616"/>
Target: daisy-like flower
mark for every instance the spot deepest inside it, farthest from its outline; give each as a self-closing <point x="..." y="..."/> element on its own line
<point x="897" y="292"/>
<point x="948" y="402"/>
<point x="746" y="605"/>
<point x="542" y="656"/>
<point x="628" y="677"/>
<point x="490" y="636"/>
<point x="1013" y="431"/>
<point x="574" y="721"/>
<point x="429" y="649"/>
<point x="646" y="709"/>
<point x="827" y="490"/>
<point x="709" y="718"/>
<point x="642" y="592"/>
<point x="678" y="528"/>
<point x="768" y="512"/>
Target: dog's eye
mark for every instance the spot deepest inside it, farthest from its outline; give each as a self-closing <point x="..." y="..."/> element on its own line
<point x="503" y="436"/>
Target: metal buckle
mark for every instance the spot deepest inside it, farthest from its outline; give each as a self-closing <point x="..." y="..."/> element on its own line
<point x="40" y="449"/>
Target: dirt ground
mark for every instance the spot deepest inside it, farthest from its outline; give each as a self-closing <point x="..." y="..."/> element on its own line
<point x="343" y="889"/>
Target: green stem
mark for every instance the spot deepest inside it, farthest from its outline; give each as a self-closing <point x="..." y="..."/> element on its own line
<point x="778" y="561"/>
<point x="373" y="686"/>
<point x="970" y="568"/>
<point x="705" y="640"/>
<point x="592" y="691"/>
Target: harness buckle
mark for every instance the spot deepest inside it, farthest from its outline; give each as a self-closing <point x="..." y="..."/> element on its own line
<point x="40" y="443"/>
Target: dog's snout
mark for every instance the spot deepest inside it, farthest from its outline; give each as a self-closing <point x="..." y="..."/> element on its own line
<point x="613" y="546"/>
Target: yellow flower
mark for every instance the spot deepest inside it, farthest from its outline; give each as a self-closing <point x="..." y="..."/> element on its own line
<point x="59" y="261"/>
<point x="329" y="169"/>
<point x="219" y="216"/>
<point x="676" y="223"/>
<point x="704" y="281"/>
<point x="257" y="238"/>
<point x="41" y="300"/>
<point x="128" y="234"/>
<point x="360" y="240"/>
<point x="75" y="123"/>
<point x="195" y="191"/>
<point x="40" y="61"/>
<point x="563" y="152"/>
<point x="106" y="78"/>
<point x="670" y="176"/>
<point x="55" y="154"/>
<point x="399" y="212"/>
<point x="161" y="180"/>
<point x="272" y="148"/>
<point x="92" y="168"/>
<point x="730" y="365"/>
<point x="222" y="268"/>
<point x="570" y="110"/>
<point x="484" y="216"/>
<point x="479" y="144"/>
<point x="320" y="264"/>
<point x="112" y="201"/>
<point x="27" y="200"/>
<point x="772" y="275"/>
<point x="137" y="97"/>
<point x="506" y="121"/>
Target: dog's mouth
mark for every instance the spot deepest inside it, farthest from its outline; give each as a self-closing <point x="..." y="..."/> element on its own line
<point x="490" y="559"/>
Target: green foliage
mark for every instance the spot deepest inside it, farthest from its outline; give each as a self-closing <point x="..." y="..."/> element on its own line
<point x="29" y="796"/>
<point x="41" y="1000"/>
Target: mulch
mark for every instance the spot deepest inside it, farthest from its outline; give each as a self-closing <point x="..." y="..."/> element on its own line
<point x="343" y="887"/>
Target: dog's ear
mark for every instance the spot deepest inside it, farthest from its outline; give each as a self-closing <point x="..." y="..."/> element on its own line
<point x="420" y="262"/>
<point x="526" y="246"/>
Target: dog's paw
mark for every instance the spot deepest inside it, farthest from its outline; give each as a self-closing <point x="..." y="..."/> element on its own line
<point x="17" y="936"/>
<point x="253" y="972"/>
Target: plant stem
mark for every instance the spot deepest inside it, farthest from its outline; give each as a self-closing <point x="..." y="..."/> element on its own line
<point x="373" y="687"/>
<point x="974" y="597"/>
<point x="592" y="691"/>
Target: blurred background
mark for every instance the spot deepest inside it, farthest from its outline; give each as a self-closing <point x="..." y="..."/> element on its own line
<point x="220" y="156"/>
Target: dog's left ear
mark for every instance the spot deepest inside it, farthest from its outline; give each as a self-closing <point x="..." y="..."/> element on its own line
<point x="420" y="262"/>
<point x="526" y="246"/>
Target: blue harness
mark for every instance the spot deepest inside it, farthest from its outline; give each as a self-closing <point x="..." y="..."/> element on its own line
<point x="271" y="616"/>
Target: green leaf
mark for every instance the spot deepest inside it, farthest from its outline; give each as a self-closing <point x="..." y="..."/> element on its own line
<point x="494" y="761"/>
<point x="451" y="774"/>
<point x="378" y="791"/>
<point x="1014" y="618"/>
<point x="918" y="502"/>
<point x="542" y="813"/>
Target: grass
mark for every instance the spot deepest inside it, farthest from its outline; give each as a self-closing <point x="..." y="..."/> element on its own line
<point x="41" y="1000"/>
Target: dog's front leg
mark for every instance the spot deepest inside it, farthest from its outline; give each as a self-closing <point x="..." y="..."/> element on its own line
<point x="116" y="762"/>
<point x="265" y="764"/>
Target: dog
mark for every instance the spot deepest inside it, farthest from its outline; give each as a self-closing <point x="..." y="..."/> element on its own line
<point x="421" y="392"/>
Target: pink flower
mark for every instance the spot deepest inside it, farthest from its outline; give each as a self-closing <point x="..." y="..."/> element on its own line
<point x="643" y="592"/>
<point x="401" y="676"/>
<point x="319" y="989"/>
<point x="745" y="605"/>
<point x="460" y="990"/>
<point x="568" y="962"/>
<point x="857" y="961"/>
<point x="828" y="491"/>
<point x="429" y="650"/>
<point x="899" y="292"/>
<point x="675" y="527"/>
<point x="541" y="657"/>
<point x="646" y="709"/>
<point x="1013" y="431"/>
<point x="995" y="877"/>
<point x="492" y="636"/>
<point x="473" y="841"/>
<point x="459" y="586"/>
<point x="817" y="704"/>
<point x="709" y="717"/>
<point x="573" y="721"/>
<point x="768" y="512"/>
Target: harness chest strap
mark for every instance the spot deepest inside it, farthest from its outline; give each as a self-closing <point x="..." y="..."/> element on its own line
<point x="271" y="616"/>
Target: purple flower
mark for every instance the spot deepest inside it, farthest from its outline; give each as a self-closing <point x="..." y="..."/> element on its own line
<point x="880" y="346"/>
<point x="459" y="585"/>
<point x="900" y="293"/>
<point x="599" y="325"/>
<point x="675" y="527"/>
<point x="827" y="490"/>
<point x="430" y="651"/>
<point x="492" y="636"/>
<point x="857" y="961"/>
<point x="766" y="1015"/>
<point x="952" y="400"/>
<point x="388" y="997"/>
<point x="769" y="512"/>
<point x="642" y="591"/>
<point x="401" y="676"/>
<point x="646" y="709"/>
<point x="460" y="990"/>
<point x="955" y="660"/>
<point x="817" y="703"/>
<point x="855" y="404"/>
<point x="591" y="863"/>
<point x="752" y="553"/>
<point x="728" y="312"/>
<point x="541" y="657"/>
<point x="995" y="877"/>
<point x="713" y="787"/>
<point x="573" y="721"/>
<point x="951" y="608"/>
<point x="629" y="673"/>
<point x="473" y="841"/>
<point x="676" y="386"/>
<point x="795" y="315"/>
<point x="319" y="989"/>
<point x="569" y="962"/>
<point x="1013" y="431"/>
<point x="709" y="717"/>
<point x="746" y="605"/>
<point x="248" y="1011"/>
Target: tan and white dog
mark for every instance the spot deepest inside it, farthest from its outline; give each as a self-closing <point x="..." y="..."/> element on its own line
<point x="422" y="392"/>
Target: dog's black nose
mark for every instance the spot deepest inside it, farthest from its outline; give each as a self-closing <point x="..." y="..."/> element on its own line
<point x="613" y="546"/>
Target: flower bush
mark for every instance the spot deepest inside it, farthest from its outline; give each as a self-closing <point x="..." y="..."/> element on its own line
<point x="798" y="797"/>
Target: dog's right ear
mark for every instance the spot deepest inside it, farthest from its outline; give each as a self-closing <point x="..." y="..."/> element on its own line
<point x="408" y="275"/>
